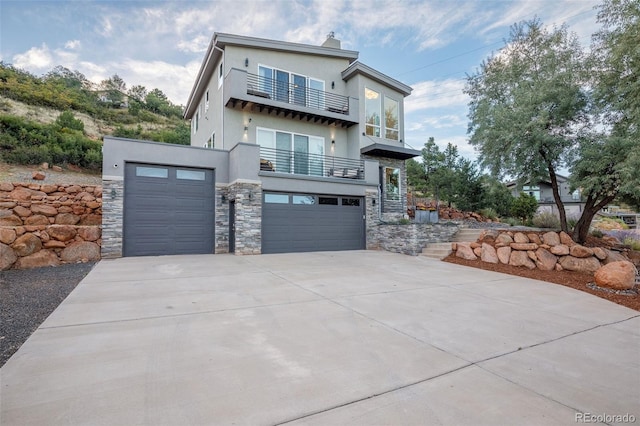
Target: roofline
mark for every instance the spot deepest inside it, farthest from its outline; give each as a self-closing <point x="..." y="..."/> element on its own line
<point x="360" y="68"/>
<point x="221" y="40"/>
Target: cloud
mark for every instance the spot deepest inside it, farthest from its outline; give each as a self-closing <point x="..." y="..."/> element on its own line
<point x="36" y="58"/>
<point x="436" y="94"/>
<point x="72" y="44"/>
<point x="197" y="44"/>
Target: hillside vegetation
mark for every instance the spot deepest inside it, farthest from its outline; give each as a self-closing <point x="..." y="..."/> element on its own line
<point x="61" y="117"/>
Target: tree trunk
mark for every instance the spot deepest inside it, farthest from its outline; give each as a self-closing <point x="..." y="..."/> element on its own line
<point x="581" y="230"/>
<point x="556" y="197"/>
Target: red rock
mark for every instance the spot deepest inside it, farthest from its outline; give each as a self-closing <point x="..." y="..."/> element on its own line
<point x="477" y="251"/>
<point x="546" y="261"/>
<point x="504" y="253"/>
<point x="44" y="237"/>
<point x="38" y="176"/>
<point x="97" y="191"/>
<point x="566" y="239"/>
<point x="7" y="235"/>
<point x="72" y="189"/>
<point x="94" y="205"/>
<point x="613" y="256"/>
<point x="11" y="220"/>
<point x="36" y="220"/>
<point x="7" y="204"/>
<point x="584" y="264"/>
<point x="76" y="209"/>
<point x="599" y="253"/>
<point x="33" y="228"/>
<point x="578" y="250"/>
<point x="6" y="187"/>
<point x="488" y="253"/>
<point x="64" y="209"/>
<point x="7" y="257"/>
<point x="616" y="275"/>
<point x="454" y="246"/>
<point x="61" y="232"/>
<point x="48" y="189"/>
<point x="56" y="168"/>
<point x="89" y="233"/>
<point x="520" y="238"/>
<point x="521" y="258"/>
<point x="534" y="238"/>
<point x="22" y="211"/>
<point x="504" y="239"/>
<point x="26" y="244"/>
<point x="44" y="209"/>
<point x="91" y="220"/>
<point x="559" y="267"/>
<point x="475" y="245"/>
<point x="67" y="219"/>
<point x="54" y="244"/>
<point x="523" y="246"/>
<point x="532" y="255"/>
<point x="560" y="250"/>
<point x="551" y="238"/>
<point x="38" y="260"/>
<point x="81" y="251"/>
<point x="464" y="251"/>
<point x="44" y="166"/>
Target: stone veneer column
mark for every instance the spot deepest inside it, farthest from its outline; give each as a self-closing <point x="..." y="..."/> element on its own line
<point x="372" y="212"/>
<point x="222" y="219"/>
<point x="248" y="219"/>
<point x="393" y="210"/>
<point x="112" y="213"/>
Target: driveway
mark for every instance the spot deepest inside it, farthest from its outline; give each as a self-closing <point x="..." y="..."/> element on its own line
<point x="362" y="337"/>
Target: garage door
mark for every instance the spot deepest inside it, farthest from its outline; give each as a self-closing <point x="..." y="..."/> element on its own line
<point x="309" y="222"/>
<point x="168" y="210"/>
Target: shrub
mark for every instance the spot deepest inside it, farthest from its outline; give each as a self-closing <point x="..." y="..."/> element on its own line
<point x="66" y="120"/>
<point x="597" y="233"/>
<point x="546" y="220"/>
<point x="489" y="213"/>
<point x="524" y="207"/>
<point x="511" y="221"/>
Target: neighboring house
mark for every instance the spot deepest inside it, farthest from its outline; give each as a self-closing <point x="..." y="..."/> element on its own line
<point x="295" y="147"/>
<point x="543" y="193"/>
<point x="105" y="96"/>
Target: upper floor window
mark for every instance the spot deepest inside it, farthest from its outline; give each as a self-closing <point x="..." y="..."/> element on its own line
<point x="532" y="190"/>
<point x="390" y="118"/>
<point x="220" y="73"/>
<point x="291" y="152"/>
<point x="289" y="87"/>
<point x="206" y="101"/>
<point x="195" y="122"/>
<point x="372" y="112"/>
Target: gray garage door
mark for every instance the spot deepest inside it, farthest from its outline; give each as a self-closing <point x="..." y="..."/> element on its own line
<point x="309" y="222"/>
<point x="168" y="210"/>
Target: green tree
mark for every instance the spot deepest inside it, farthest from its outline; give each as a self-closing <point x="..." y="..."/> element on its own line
<point x="67" y="120"/>
<point x="116" y="89"/>
<point x="496" y="195"/>
<point x="416" y="176"/>
<point x="528" y="106"/>
<point x="524" y="207"/>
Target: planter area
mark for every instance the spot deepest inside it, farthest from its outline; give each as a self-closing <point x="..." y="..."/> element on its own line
<point x="46" y="225"/>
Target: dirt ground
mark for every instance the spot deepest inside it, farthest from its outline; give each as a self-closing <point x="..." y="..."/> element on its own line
<point x="69" y="175"/>
<point x="577" y="280"/>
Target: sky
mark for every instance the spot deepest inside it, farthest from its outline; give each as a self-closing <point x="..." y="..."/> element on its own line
<point x="431" y="45"/>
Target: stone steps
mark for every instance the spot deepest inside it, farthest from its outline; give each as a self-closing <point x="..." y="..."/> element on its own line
<point x="467" y="235"/>
<point x="437" y="250"/>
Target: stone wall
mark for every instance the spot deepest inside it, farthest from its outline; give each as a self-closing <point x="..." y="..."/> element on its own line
<point x="46" y="225"/>
<point x="248" y="218"/>
<point x="543" y="250"/>
<point x="408" y="239"/>
<point x="112" y="218"/>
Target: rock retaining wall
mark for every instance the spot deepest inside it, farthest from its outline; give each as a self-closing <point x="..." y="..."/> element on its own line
<point x="46" y="225"/>
<point x="408" y="239"/>
<point x="543" y="250"/>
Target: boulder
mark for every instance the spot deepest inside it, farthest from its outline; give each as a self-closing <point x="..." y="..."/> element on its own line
<point x="477" y="251"/>
<point x="6" y="187"/>
<point x="580" y="264"/>
<point x="38" y="176"/>
<point x="488" y="253"/>
<point x="465" y="251"/>
<point x="7" y="235"/>
<point x="566" y="239"/>
<point x="578" y="250"/>
<point x="616" y="275"/>
<point x="520" y="238"/>
<point x="22" y="211"/>
<point x="38" y="260"/>
<point x="7" y="204"/>
<point x="613" y="256"/>
<point x="521" y="258"/>
<point x="81" y="251"/>
<point x="72" y="189"/>
<point x="475" y="245"/>
<point x="67" y="219"/>
<point x="7" y="257"/>
<point x="94" y="205"/>
<point x="10" y="220"/>
<point x="48" y="189"/>
<point x="534" y="238"/>
<point x="551" y="238"/>
<point x="504" y="253"/>
<point x="558" y="267"/>
<point x="532" y="255"/>
<point x="560" y="250"/>
<point x="89" y="233"/>
<point x="546" y="260"/>
<point x="26" y="244"/>
<point x="44" y="209"/>
<point x="21" y="194"/>
<point x="56" y="168"/>
<point x="91" y="220"/>
<point x="44" y="166"/>
<point x="524" y="246"/>
<point x="36" y="220"/>
<point x="504" y="239"/>
<point x="599" y="253"/>
<point x="51" y="244"/>
<point x="61" y="232"/>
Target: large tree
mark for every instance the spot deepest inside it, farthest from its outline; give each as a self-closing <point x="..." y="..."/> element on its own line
<point x="528" y="106"/>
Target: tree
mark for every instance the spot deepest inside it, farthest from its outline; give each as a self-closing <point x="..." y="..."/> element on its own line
<point x="496" y="195"/>
<point x="524" y="207"/>
<point x="528" y="106"/>
<point x="66" y="120"/>
<point x="116" y="88"/>
<point x="416" y="176"/>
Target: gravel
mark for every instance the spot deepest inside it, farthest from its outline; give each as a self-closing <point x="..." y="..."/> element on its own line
<point x="27" y="298"/>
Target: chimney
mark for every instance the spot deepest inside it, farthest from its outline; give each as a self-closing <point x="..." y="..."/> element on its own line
<point x="331" y="41"/>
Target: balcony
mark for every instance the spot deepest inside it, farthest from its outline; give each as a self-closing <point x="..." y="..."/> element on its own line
<point x="303" y="163"/>
<point x="255" y="93"/>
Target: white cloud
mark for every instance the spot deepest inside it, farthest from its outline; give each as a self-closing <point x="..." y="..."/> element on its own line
<point x="197" y="44"/>
<point x="35" y="59"/>
<point x="436" y="94"/>
<point x="72" y="44"/>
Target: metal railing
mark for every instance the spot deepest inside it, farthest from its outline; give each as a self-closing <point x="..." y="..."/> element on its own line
<point x="303" y="163"/>
<point x="296" y="94"/>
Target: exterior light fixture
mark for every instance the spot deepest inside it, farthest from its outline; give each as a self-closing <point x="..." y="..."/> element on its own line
<point x="333" y="84"/>
<point x="246" y="62"/>
<point x="246" y="128"/>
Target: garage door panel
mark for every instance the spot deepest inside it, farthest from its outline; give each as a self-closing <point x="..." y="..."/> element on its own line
<point x="168" y="215"/>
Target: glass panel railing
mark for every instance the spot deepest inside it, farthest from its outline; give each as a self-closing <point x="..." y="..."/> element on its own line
<point x="300" y="163"/>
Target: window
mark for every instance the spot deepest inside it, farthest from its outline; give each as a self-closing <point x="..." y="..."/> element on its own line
<point x="154" y="172"/>
<point x="351" y="202"/>
<point x="211" y="143"/>
<point x="392" y="183"/>
<point x="304" y="199"/>
<point x="333" y="201"/>
<point x="293" y="153"/>
<point x="276" y="198"/>
<point x="197" y="118"/>
<point x="220" y="73"/>
<point x="532" y="190"/>
<point x="290" y="87"/>
<point x="206" y="101"/>
<point x="372" y="112"/>
<point x="575" y="195"/>
<point x="190" y="174"/>
<point x="390" y="118"/>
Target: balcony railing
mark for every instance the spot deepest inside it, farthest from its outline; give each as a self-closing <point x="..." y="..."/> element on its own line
<point x="296" y="94"/>
<point x="303" y="163"/>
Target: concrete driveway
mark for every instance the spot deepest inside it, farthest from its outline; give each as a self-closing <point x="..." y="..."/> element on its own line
<point x="364" y="337"/>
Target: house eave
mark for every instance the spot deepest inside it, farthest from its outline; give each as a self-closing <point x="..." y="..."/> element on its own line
<point x="389" y="151"/>
<point x="360" y="68"/>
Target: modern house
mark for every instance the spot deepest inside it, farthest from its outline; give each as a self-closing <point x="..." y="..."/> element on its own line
<point x="543" y="193"/>
<point x="294" y="147"/>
